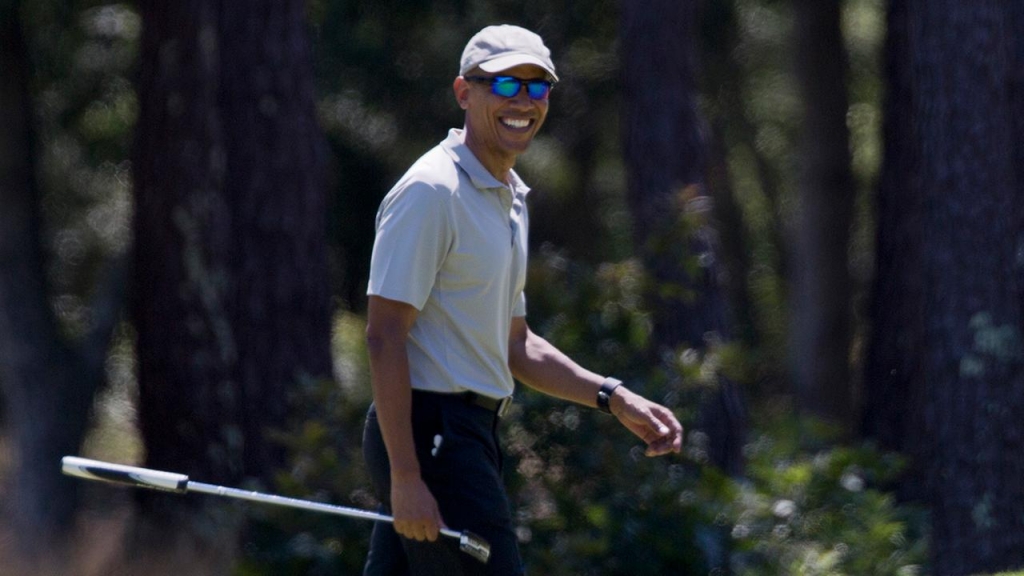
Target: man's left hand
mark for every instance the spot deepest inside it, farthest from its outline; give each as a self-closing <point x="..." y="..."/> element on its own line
<point x="652" y="423"/>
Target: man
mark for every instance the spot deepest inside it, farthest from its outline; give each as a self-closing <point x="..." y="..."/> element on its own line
<point x="447" y="331"/>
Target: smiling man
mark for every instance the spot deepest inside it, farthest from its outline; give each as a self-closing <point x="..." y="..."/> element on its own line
<point x="447" y="330"/>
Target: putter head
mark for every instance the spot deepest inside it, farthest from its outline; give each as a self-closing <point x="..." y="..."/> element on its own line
<point x="475" y="546"/>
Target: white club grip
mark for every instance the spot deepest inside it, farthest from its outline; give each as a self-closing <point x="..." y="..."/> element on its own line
<point x="120" y="474"/>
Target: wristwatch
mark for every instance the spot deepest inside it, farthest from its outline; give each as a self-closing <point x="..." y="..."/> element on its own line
<point x="604" y="394"/>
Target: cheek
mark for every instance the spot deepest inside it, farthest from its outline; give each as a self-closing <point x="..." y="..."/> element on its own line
<point x="542" y="117"/>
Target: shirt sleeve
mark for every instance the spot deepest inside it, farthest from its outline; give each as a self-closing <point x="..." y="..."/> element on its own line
<point x="519" y="307"/>
<point x="413" y="238"/>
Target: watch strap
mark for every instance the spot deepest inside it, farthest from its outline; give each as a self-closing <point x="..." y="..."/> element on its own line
<point x="604" y="394"/>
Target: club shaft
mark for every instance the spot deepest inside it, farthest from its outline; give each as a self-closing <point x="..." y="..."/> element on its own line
<point x="170" y="481"/>
<point x="287" y="502"/>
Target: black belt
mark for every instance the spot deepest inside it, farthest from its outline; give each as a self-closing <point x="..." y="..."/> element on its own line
<point x="500" y="406"/>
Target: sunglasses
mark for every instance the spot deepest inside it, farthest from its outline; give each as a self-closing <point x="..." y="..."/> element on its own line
<point x="509" y="86"/>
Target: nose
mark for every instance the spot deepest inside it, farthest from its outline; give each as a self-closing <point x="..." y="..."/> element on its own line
<point x="522" y="98"/>
<point x="521" y="94"/>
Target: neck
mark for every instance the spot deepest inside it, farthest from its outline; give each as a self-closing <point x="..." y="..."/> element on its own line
<point x="497" y="163"/>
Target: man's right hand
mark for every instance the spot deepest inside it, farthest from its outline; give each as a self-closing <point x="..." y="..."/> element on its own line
<point x="414" y="508"/>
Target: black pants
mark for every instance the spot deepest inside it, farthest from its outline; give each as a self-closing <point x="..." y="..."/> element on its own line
<point x="463" y="471"/>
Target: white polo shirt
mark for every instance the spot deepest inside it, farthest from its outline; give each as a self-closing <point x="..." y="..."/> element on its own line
<point x="452" y="241"/>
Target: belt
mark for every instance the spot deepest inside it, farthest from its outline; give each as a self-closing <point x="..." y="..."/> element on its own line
<point x="499" y="406"/>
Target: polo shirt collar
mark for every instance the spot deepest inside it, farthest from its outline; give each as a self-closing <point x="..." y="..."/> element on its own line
<point x="455" y="146"/>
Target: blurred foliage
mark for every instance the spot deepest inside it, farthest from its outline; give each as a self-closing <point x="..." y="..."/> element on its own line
<point x="823" y="512"/>
<point x="589" y="502"/>
<point x="586" y="499"/>
<point x="82" y="55"/>
<point x="326" y="464"/>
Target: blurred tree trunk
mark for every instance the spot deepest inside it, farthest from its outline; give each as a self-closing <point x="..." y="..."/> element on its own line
<point x="894" y="385"/>
<point x="664" y="149"/>
<point x="948" y="327"/>
<point x="48" y="381"/>
<point x="231" y="299"/>
<point x="961" y="58"/>
<point x="1015" y="36"/>
<point x="725" y="85"/>
<point x="821" y="292"/>
<point x="665" y="155"/>
<point x="734" y="255"/>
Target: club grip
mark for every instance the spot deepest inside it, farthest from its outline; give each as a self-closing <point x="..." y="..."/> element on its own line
<point x="120" y="474"/>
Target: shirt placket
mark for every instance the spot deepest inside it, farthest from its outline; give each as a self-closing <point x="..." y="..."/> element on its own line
<point x="508" y="209"/>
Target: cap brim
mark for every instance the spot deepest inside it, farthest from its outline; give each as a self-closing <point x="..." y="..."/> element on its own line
<point x="503" y="63"/>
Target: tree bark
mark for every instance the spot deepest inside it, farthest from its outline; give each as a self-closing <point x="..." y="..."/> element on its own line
<point x="894" y="388"/>
<point x="232" y="298"/>
<point x="1015" y="37"/>
<point x="947" y="364"/>
<point x="821" y="293"/>
<point x="961" y="57"/>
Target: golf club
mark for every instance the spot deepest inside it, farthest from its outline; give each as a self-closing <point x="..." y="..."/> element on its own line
<point x="469" y="543"/>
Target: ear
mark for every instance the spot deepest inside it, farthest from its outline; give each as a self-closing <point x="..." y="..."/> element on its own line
<point x="461" y="89"/>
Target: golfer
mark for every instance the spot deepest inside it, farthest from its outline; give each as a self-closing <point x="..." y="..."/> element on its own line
<point x="447" y="329"/>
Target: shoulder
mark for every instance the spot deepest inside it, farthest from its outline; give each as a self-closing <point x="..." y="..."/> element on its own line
<point x="434" y="177"/>
<point x="435" y="169"/>
<point x="424" y="195"/>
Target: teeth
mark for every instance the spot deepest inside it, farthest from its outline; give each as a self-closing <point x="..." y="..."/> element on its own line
<point x="512" y="123"/>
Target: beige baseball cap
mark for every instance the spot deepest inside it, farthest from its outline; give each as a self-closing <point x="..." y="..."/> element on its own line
<point x="498" y="48"/>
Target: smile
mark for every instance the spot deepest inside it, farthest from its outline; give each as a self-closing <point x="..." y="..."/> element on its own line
<point x="515" y="123"/>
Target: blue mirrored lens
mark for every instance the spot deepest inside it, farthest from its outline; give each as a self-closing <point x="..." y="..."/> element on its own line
<point x="538" y="89"/>
<point x="507" y="87"/>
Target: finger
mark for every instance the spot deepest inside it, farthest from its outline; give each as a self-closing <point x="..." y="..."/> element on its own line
<point x="659" y="448"/>
<point x="659" y="444"/>
<point x="652" y="424"/>
<point x="434" y="525"/>
<point x="672" y="442"/>
<point x="667" y="418"/>
<point x="668" y="438"/>
<point x="413" y="529"/>
<point x="675" y="432"/>
<point x="431" y="531"/>
<point x="422" y="532"/>
<point x="653" y="452"/>
<point x="405" y="529"/>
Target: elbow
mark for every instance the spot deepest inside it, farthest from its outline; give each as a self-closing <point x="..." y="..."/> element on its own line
<point x="380" y="342"/>
<point x="515" y="366"/>
<point x="518" y="357"/>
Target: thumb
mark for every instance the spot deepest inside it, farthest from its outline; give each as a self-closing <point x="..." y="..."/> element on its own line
<point x="650" y="420"/>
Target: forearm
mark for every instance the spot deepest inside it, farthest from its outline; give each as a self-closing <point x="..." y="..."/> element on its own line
<point x="392" y="396"/>
<point x="537" y="363"/>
